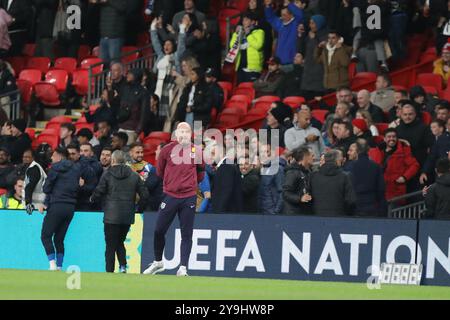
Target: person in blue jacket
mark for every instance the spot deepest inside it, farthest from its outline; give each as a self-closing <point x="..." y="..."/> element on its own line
<point x="286" y="27"/>
<point x="61" y="188"/>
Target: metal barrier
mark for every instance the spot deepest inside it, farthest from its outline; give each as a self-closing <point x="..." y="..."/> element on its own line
<point x="415" y="210"/>
<point x="10" y="101"/>
<point x="97" y="81"/>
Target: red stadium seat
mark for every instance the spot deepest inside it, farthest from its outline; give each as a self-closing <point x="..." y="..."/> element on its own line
<point x="241" y="97"/>
<point x="52" y="140"/>
<point x="47" y="93"/>
<point x="31" y="133"/>
<point x="51" y="130"/>
<point x="234" y="110"/>
<point x="320" y="114"/>
<point x="52" y="126"/>
<point x="226" y="85"/>
<point x="294" y="102"/>
<point x="84" y="51"/>
<point x="26" y="89"/>
<point x="39" y="63"/>
<point x="246" y="85"/>
<point x="262" y="105"/>
<point x="381" y="127"/>
<point x="431" y="90"/>
<point x="378" y="139"/>
<point x="80" y="81"/>
<point x="131" y="56"/>
<point x="59" y="78"/>
<point x="61" y="119"/>
<point x="163" y="136"/>
<point x="268" y="99"/>
<point x="17" y="63"/>
<point x="363" y="78"/>
<point x="82" y="125"/>
<point x="143" y="39"/>
<point x="249" y="92"/>
<point x="228" y="120"/>
<point x="65" y="63"/>
<point x="429" y="79"/>
<point x="241" y="105"/>
<point x="29" y="49"/>
<point x="31" y="75"/>
<point x="446" y="95"/>
<point x="87" y="63"/>
<point x="3" y="191"/>
<point x="426" y="118"/>
<point x="398" y="88"/>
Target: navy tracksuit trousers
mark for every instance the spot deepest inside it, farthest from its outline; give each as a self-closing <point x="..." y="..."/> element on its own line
<point x="169" y="208"/>
<point x="55" y="225"/>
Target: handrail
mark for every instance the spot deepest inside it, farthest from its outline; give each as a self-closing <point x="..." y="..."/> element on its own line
<point x="405" y="196"/>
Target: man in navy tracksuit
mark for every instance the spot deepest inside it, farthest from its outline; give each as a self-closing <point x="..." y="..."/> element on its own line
<point x="180" y="175"/>
<point x="61" y="188"/>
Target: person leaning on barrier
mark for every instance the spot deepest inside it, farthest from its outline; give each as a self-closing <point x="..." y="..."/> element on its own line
<point x="437" y="196"/>
<point x="118" y="188"/>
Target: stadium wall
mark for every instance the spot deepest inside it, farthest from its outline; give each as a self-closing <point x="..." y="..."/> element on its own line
<point x="251" y="246"/>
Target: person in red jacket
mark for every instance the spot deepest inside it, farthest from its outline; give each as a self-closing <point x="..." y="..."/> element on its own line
<point x="177" y="166"/>
<point x="397" y="161"/>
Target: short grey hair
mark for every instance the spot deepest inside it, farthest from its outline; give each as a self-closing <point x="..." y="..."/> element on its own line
<point x="118" y="157"/>
<point x="332" y="156"/>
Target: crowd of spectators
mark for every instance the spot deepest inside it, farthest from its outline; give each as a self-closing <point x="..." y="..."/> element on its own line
<point x="342" y="165"/>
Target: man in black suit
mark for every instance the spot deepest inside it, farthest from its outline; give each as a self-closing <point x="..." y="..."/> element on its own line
<point x="21" y="12"/>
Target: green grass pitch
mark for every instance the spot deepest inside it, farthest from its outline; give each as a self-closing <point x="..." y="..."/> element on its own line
<point x="20" y="284"/>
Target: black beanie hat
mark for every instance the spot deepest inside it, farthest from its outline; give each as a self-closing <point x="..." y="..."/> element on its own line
<point x="20" y="124"/>
<point x="281" y="112"/>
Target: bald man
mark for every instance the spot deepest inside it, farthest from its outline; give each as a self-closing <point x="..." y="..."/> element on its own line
<point x="364" y="103"/>
<point x="176" y="166"/>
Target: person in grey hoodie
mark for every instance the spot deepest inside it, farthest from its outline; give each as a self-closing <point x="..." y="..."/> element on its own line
<point x="303" y="133"/>
<point x="118" y="188"/>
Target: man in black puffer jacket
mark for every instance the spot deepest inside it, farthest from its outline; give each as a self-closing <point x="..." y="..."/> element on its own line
<point x="332" y="190"/>
<point x="118" y="188"/>
<point x="296" y="187"/>
<point x="112" y="28"/>
<point x="437" y="198"/>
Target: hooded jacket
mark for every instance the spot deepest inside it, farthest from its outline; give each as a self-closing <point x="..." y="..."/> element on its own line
<point x="271" y="188"/>
<point x="118" y="188"/>
<point x="332" y="192"/>
<point x="296" y="184"/>
<point x="254" y="52"/>
<point x="62" y="183"/>
<point x="437" y="199"/>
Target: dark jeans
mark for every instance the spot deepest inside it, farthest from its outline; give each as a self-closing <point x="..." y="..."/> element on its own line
<point x="110" y="49"/>
<point x="115" y="235"/>
<point x="54" y="228"/>
<point x="397" y="35"/>
<point x="169" y="208"/>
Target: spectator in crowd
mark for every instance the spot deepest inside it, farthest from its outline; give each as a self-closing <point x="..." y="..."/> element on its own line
<point x="442" y="111"/>
<point x="85" y="135"/>
<point x="286" y="28"/>
<point x="105" y="158"/>
<point x="314" y="122"/>
<point x="330" y="136"/>
<point x="344" y="22"/>
<point x="270" y="196"/>
<point x="312" y="84"/>
<point x="361" y="131"/>
<point x="87" y="152"/>
<point x="103" y="135"/>
<point x="134" y="23"/>
<point x="304" y="134"/>
<point x="21" y="13"/>
<point x="364" y="103"/>
<point x="270" y="81"/>
<point x="20" y="169"/>
<point x="415" y="132"/>
<point x="292" y="81"/>
<point x="368" y="183"/>
<point x="440" y="149"/>
<point x="61" y="188"/>
<point x="216" y="90"/>
<point x="153" y="120"/>
<point x="341" y="112"/>
<point x="396" y="111"/>
<point x="189" y="7"/>
<point x="250" y="180"/>
<point x="437" y="128"/>
<point x="345" y="136"/>
<point x="138" y="163"/>
<point x="257" y="7"/>
<point x="19" y="141"/>
<point x="297" y="183"/>
<point x="68" y="40"/>
<point x="335" y="58"/>
<point x="88" y="177"/>
<point x="344" y="94"/>
<point x="248" y="40"/>
<point x="118" y="188"/>
<point x="133" y="105"/>
<point x="154" y="183"/>
<point x="383" y="96"/>
<point x="196" y="101"/>
<point x="67" y="134"/>
<point x="14" y="199"/>
<point x="115" y="85"/>
<point x="442" y="65"/>
<point x="35" y="176"/>
<point x="7" y="79"/>
<point x="279" y="118"/>
<point x="112" y="28"/>
<point x="45" y="18"/>
<point x="168" y="58"/>
<point x="331" y="189"/>
<point x="437" y="197"/>
<point x="418" y="98"/>
<point x="398" y="163"/>
<point x="119" y="141"/>
<point x="365" y="115"/>
<point x="104" y="113"/>
<point x="204" y="195"/>
<point x="226" y="193"/>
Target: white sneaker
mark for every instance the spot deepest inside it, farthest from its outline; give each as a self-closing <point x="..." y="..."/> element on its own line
<point x="154" y="268"/>
<point x="52" y="265"/>
<point x="182" y="272"/>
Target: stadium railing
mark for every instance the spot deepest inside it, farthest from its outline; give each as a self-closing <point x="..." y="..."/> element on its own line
<point x="97" y="81"/>
<point x="397" y="209"/>
<point x="10" y="102"/>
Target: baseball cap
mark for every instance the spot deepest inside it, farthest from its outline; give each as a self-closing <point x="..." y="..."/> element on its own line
<point x="210" y="72"/>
